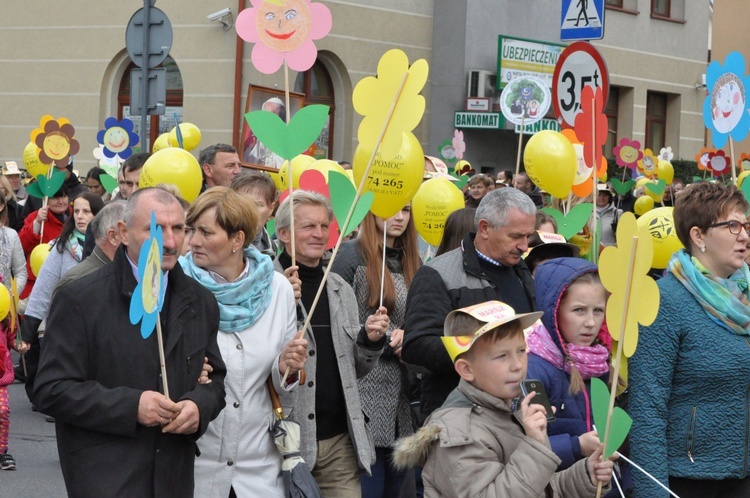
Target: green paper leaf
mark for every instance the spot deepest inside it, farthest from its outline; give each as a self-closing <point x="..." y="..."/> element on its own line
<point x="745" y="188"/>
<point x="621" y="421"/>
<point x="658" y="187"/>
<point x="342" y="195"/>
<point x="108" y="182"/>
<point x="33" y="190"/>
<point x="622" y="188"/>
<point x="289" y="141"/>
<point x="271" y="227"/>
<point x="697" y="179"/>
<point x="569" y="225"/>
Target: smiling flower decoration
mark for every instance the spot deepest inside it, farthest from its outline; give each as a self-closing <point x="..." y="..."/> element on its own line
<point x="743" y="163"/>
<point x="648" y="164"/>
<point x="703" y="158"/>
<point x="374" y="96"/>
<point x="148" y="296"/>
<point x="719" y="163"/>
<point x="446" y="151"/>
<point x="724" y="109"/>
<point x="666" y="154"/>
<point x="55" y="141"/>
<point x="458" y="144"/>
<point x="284" y="30"/>
<point x="641" y="300"/>
<point x="117" y="137"/>
<point x="628" y="153"/>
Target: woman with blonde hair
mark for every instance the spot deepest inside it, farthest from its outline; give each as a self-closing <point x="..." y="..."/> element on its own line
<point x="12" y="208"/>
<point x="384" y="390"/>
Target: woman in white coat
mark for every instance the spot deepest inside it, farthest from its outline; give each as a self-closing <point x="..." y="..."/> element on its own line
<point x="258" y="322"/>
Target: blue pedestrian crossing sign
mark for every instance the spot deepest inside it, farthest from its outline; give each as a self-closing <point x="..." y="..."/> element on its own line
<point x="582" y="20"/>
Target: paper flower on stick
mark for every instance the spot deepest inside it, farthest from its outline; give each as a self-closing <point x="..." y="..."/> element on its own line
<point x="666" y="154"/>
<point x="643" y="298"/>
<point x="117" y="138"/>
<point x="725" y="106"/>
<point x="374" y="96"/>
<point x="703" y="158"/>
<point x="591" y="126"/>
<point x="446" y="151"/>
<point x="628" y="153"/>
<point x="719" y="163"/>
<point x="148" y="296"/>
<point x="648" y="164"/>
<point x="55" y="141"/>
<point x="46" y="187"/>
<point x="621" y="421"/>
<point x="743" y="163"/>
<point x="458" y="144"/>
<point x="284" y="30"/>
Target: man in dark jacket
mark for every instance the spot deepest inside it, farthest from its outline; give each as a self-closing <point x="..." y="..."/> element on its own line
<point x="488" y="266"/>
<point x="117" y="434"/>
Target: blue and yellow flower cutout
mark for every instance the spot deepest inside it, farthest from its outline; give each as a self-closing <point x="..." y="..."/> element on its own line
<point x="118" y="138"/>
<point x="148" y="296"/>
<point x="726" y="105"/>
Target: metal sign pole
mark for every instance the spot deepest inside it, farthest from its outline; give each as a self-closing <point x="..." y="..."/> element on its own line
<point x="144" y="80"/>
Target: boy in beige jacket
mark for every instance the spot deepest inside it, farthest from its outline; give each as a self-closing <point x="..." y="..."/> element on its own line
<point x="485" y="441"/>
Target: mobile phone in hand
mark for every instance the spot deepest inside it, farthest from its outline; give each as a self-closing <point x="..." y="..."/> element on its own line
<point x="541" y="398"/>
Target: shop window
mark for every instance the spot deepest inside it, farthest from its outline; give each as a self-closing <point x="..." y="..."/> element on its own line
<point x="656" y="121"/>
<point x="317" y="87"/>
<point x="156" y="124"/>
<point x="613" y="103"/>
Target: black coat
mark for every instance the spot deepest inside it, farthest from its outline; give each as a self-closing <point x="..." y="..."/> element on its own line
<point x="94" y="367"/>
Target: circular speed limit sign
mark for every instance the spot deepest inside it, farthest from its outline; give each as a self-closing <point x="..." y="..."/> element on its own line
<point x="579" y="65"/>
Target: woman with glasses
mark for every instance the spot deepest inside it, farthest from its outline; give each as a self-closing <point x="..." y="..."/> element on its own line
<point x="690" y="376"/>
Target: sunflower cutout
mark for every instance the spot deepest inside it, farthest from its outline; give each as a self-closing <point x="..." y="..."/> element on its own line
<point x="648" y="164"/>
<point x="628" y="153"/>
<point x="283" y="31"/>
<point x="703" y="158"/>
<point x="117" y="138"/>
<point x="148" y="296"/>
<point x="725" y="106"/>
<point x="55" y="141"/>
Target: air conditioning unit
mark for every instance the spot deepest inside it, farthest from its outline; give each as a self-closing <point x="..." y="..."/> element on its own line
<point x="481" y="84"/>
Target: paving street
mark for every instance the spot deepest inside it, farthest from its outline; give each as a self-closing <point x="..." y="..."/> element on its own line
<point x="32" y="444"/>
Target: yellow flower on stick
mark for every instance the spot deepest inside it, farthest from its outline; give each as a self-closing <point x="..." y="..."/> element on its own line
<point x="642" y="303"/>
<point x="374" y="97"/>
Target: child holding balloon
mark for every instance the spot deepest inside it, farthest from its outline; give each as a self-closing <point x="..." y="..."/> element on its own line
<point x="7" y="340"/>
<point x="570" y="346"/>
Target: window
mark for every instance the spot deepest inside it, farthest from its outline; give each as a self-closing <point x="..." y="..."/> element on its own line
<point x="662" y="8"/>
<point x="656" y="121"/>
<point x="614" y="3"/>
<point x="317" y="87"/>
<point x="156" y="124"/>
<point x="611" y="112"/>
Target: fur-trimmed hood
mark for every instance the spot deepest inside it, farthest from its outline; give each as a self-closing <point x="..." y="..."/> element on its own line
<point x="413" y="450"/>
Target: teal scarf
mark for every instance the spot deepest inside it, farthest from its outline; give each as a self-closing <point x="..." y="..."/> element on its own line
<point x="74" y="245"/>
<point x="243" y="301"/>
<point x="725" y="301"/>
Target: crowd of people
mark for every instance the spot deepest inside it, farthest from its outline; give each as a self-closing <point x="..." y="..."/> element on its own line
<point x="406" y="380"/>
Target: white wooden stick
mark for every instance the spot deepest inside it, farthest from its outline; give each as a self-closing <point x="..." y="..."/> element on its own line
<point x="520" y="144"/>
<point x="631" y="462"/>
<point x="293" y="252"/>
<point x="617" y="483"/>
<point x="162" y="361"/>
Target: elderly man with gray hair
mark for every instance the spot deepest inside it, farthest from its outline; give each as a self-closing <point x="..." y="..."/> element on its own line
<point x="107" y="239"/>
<point x="487" y="266"/>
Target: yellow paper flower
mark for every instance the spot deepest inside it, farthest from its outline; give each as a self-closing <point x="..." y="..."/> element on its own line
<point x="644" y="294"/>
<point x="648" y="164"/>
<point x="374" y="96"/>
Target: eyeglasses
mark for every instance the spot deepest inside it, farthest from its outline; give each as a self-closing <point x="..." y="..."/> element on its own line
<point x="734" y="226"/>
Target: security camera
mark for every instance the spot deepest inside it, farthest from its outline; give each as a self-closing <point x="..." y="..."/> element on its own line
<point x="216" y="16"/>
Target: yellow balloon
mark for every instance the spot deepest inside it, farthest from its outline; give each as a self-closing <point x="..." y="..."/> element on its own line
<point x="31" y="160"/>
<point x="161" y="142"/>
<point x="643" y="205"/>
<point x="191" y="136"/>
<point x="603" y="178"/>
<point x="276" y="179"/>
<point x="660" y="224"/>
<point x="325" y="166"/>
<point x="393" y="180"/>
<point x="38" y="256"/>
<point x="436" y="199"/>
<point x="551" y="162"/>
<point x="176" y="166"/>
<point x="299" y="165"/>
<point x="4" y="302"/>
<point x="665" y="171"/>
<point x="642" y="182"/>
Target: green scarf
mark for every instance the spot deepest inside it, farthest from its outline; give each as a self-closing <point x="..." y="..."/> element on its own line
<point x="725" y="300"/>
<point x="74" y="245"/>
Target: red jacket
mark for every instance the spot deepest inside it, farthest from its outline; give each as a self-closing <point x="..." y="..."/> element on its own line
<point x="29" y="240"/>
